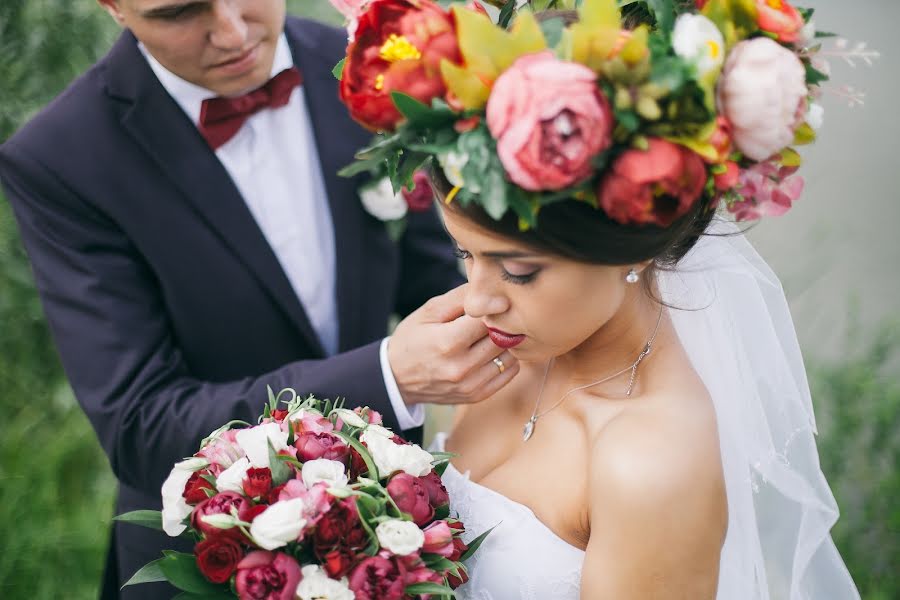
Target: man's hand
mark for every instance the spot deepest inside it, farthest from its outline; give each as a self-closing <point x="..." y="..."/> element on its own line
<point x="441" y="356"/>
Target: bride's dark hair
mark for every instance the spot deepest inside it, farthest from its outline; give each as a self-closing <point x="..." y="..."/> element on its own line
<point x="578" y="231"/>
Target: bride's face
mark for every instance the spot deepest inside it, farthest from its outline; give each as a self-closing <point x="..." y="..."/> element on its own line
<point x="546" y="305"/>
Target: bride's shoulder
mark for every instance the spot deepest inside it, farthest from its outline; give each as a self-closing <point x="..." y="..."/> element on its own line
<point x="653" y="460"/>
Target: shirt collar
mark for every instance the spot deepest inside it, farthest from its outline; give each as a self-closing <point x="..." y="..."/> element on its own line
<point x="190" y="96"/>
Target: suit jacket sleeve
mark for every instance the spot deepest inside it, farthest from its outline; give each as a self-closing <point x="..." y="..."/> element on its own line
<point x="118" y="350"/>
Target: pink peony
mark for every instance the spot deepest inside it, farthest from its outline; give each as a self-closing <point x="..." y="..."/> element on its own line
<point x="267" y="576"/>
<point x="550" y="120"/>
<point x="762" y="93"/>
<point x="421" y="197"/>
<point x="308" y="422"/>
<point x="378" y="578"/>
<point x="311" y="446"/>
<point x="373" y="416"/>
<point x="653" y="186"/>
<point x="779" y="18"/>
<point x="223" y="452"/>
<point x="411" y="496"/>
<point x="768" y="190"/>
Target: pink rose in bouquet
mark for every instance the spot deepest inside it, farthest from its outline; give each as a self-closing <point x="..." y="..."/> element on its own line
<point x="779" y="18"/>
<point x="315" y="497"/>
<point x="550" y="120"/>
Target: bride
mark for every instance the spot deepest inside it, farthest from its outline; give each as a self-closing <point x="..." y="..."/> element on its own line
<point x="658" y="440"/>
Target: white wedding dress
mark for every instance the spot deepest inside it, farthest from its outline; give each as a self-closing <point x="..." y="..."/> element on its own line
<point x="733" y="321"/>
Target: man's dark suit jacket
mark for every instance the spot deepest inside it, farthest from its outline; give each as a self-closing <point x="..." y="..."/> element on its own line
<point x="169" y="309"/>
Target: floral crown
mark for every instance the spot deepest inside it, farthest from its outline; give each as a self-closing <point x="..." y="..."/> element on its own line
<point x="707" y="103"/>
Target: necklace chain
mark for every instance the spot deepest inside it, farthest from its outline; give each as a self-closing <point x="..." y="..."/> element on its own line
<point x="648" y="347"/>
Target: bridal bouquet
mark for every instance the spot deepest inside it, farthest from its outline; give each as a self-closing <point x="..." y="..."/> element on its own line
<point x="314" y="502"/>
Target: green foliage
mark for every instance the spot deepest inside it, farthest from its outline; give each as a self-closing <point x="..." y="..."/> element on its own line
<point x="858" y="412"/>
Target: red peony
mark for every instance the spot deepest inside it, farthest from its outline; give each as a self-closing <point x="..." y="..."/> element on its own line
<point x="267" y="576"/>
<point x="311" y="446"/>
<point x="378" y="578"/>
<point x="217" y="558"/>
<point x="411" y="497"/>
<point x="339" y="527"/>
<point x="221" y="503"/>
<point x="654" y="186"/>
<point x="258" y="482"/>
<point x="193" y="489"/>
<point x="437" y="493"/>
<point x="398" y="46"/>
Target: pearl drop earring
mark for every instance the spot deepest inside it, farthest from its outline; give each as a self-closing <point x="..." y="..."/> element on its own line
<point x="632" y="276"/>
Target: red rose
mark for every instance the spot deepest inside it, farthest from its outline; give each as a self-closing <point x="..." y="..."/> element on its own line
<point x="258" y="482"/>
<point x="437" y="493"/>
<point x="193" y="489"/>
<point x="454" y="581"/>
<point x="421" y="197"/>
<point x="411" y="497"/>
<point x="378" y="578"/>
<point x="221" y="503"/>
<point x="398" y="46"/>
<point x="653" y="186"/>
<point x="267" y="576"/>
<point x="337" y="563"/>
<point x="217" y="558"/>
<point x="279" y="414"/>
<point x="311" y="446"/>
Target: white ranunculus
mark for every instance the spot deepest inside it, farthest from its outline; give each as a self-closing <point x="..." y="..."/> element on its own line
<point x="349" y="417"/>
<point x="321" y="469"/>
<point x="253" y="442"/>
<point x="762" y="88"/>
<point x="232" y="478"/>
<point x="175" y="509"/>
<point x="453" y="163"/>
<point x="400" y="537"/>
<point x="697" y="40"/>
<point x="815" y="115"/>
<point x="390" y="457"/>
<point x="279" y="524"/>
<point x="317" y="585"/>
<point x="376" y="430"/>
<point x="381" y="202"/>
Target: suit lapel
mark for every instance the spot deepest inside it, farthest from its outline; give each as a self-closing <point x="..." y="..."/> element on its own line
<point x="159" y="125"/>
<point x="337" y="139"/>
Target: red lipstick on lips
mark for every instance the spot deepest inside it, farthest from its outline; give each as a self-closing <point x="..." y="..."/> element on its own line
<point x="504" y="340"/>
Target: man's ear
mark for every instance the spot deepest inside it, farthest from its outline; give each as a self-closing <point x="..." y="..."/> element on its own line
<point x="114" y="10"/>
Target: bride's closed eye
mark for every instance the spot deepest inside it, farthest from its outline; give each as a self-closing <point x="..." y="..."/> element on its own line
<point x="516" y="275"/>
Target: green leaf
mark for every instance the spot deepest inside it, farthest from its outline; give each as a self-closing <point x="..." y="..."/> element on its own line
<point x="222" y="595"/>
<point x="475" y="544"/>
<point x="151" y="519"/>
<point x="506" y="13"/>
<point x="814" y="76"/>
<point x="281" y="472"/>
<point x="419" y="115"/>
<point x="371" y="470"/>
<point x="149" y="573"/>
<point x="338" y="70"/>
<point x="182" y="572"/>
<point x="429" y="588"/>
<point x="553" y="30"/>
<point x="663" y="12"/>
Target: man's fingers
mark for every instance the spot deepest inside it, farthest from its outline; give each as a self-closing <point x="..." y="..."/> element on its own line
<point x="493" y="379"/>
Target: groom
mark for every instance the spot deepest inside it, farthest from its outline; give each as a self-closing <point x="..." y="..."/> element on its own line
<point x="192" y="244"/>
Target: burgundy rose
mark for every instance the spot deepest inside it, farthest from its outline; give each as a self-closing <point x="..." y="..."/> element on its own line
<point x="340" y="526"/>
<point x="411" y="497"/>
<point x="267" y="576"/>
<point x="312" y="446"/>
<point x="258" y="482"/>
<point x="338" y="563"/>
<point x="437" y="493"/>
<point x="279" y="414"/>
<point x="250" y="511"/>
<point x="378" y="578"/>
<point x="217" y="558"/>
<point x="421" y="197"/>
<point x="454" y="581"/>
<point x="193" y="489"/>
<point x="221" y="503"/>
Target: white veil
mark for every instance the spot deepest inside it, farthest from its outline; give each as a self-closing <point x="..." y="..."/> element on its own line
<point x="733" y="320"/>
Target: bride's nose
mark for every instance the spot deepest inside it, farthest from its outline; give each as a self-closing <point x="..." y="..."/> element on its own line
<point x="484" y="295"/>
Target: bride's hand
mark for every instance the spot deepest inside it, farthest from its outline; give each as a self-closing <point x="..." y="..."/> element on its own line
<point x="441" y="356"/>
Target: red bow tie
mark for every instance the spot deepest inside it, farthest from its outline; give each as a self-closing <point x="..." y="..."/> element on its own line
<point x="222" y="118"/>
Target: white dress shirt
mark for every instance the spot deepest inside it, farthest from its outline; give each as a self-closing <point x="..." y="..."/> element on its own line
<point x="274" y="163"/>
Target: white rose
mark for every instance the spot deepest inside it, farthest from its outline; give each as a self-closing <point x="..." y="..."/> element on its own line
<point x="253" y="442"/>
<point x="175" y="509"/>
<point x="322" y="469"/>
<point x="400" y="537"/>
<point x="390" y="457"/>
<point x="815" y="115"/>
<point x="232" y="478"/>
<point x="761" y="89"/>
<point x="349" y="417"/>
<point x="279" y="524"/>
<point x="317" y="585"/>
<point x="381" y="202"/>
<point x="697" y="40"/>
<point x="376" y="430"/>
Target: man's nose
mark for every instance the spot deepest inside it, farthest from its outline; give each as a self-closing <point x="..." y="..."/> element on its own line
<point x="229" y="30"/>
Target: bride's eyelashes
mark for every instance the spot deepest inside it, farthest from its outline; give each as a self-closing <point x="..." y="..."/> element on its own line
<point x="516" y="278"/>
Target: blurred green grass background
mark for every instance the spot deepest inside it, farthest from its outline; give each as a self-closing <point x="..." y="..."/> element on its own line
<point x="56" y="489"/>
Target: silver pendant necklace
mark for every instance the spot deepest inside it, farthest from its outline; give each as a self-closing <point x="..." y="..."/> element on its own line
<point x="528" y="430"/>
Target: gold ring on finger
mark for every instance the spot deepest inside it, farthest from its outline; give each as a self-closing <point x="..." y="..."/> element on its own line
<point x="500" y="364"/>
